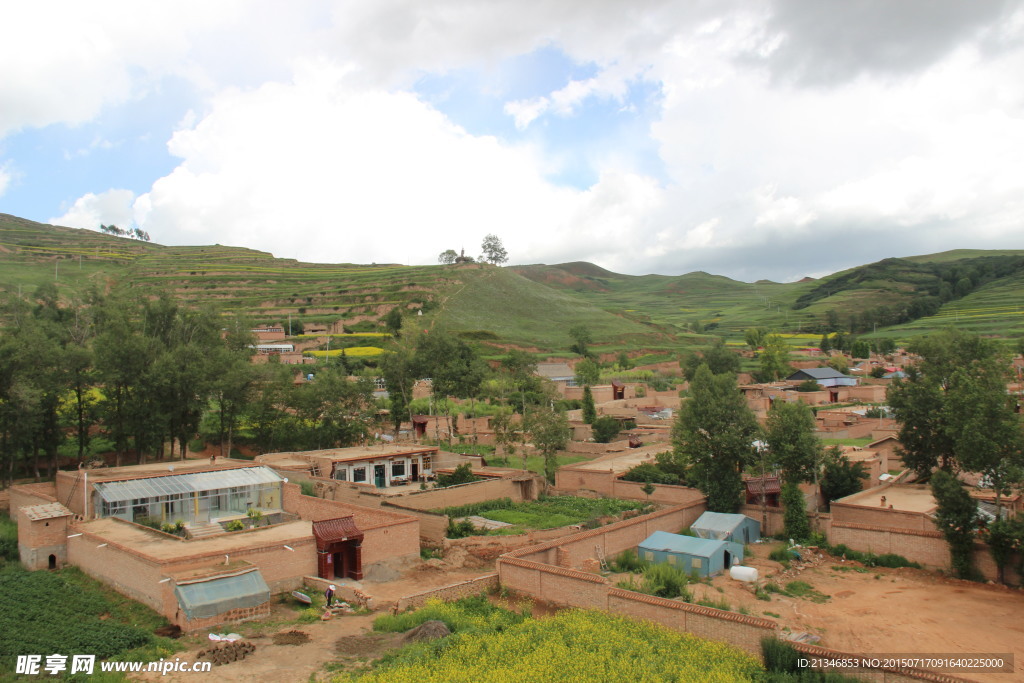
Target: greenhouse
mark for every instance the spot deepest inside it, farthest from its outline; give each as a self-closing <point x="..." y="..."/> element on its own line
<point x="194" y="497"/>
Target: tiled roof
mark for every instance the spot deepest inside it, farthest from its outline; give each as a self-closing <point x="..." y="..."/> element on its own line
<point x="46" y="511"/>
<point x="339" y="529"/>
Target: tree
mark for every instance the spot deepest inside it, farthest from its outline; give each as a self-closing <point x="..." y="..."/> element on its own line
<point x="589" y="411"/>
<point x="775" y="359"/>
<point x="794" y="448"/>
<point x="840" y="477"/>
<point x="646" y="472"/>
<point x="825" y="344"/>
<point x="393" y="320"/>
<point x="718" y="358"/>
<point x="1003" y="537"/>
<point x="493" y="251"/>
<point x="623" y="361"/>
<point x="954" y="411"/>
<point x="754" y="337"/>
<point x="713" y="436"/>
<point x="605" y="429"/>
<point x="399" y="374"/>
<point x="808" y="385"/>
<point x="957" y="518"/>
<point x="463" y="474"/>
<point x="447" y="257"/>
<point x="795" y="512"/>
<point x="588" y="372"/>
<point x="839" y="363"/>
<point x="860" y="349"/>
<point x="549" y="432"/>
<point x="581" y="338"/>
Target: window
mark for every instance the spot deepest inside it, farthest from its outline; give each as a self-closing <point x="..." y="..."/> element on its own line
<point x="359" y="474"/>
<point x="341" y="474"/>
<point x="398" y="468"/>
<point x="695" y="563"/>
<point x="426" y="462"/>
<point x="672" y="559"/>
<point x="649" y="556"/>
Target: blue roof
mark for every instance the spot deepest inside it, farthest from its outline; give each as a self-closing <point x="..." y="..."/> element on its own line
<point x="663" y="541"/>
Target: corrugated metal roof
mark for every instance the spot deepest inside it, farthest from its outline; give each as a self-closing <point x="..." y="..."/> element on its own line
<point x="194" y="482"/>
<point x="717" y="524"/>
<point x="663" y="541"/>
<point x="820" y="373"/>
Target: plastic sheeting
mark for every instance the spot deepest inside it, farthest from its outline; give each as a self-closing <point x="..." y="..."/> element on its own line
<point x="194" y="482"/>
<point x="206" y="599"/>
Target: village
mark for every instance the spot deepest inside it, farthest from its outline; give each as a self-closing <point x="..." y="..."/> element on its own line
<point x="212" y="543"/>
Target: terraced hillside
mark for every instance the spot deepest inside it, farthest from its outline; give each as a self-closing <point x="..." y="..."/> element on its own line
<point x="533" y="306"/>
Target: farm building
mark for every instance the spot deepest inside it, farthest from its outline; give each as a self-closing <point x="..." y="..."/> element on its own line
<point x="230" y="534"/>
<point x="721" y="526"/>
<point x="705" y="557"/>
<point x="826" y="377"/>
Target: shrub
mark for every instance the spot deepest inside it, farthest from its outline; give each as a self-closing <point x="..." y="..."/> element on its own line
<point x="605" y="429"/>
<point x="648" y="472"/>
<point x="781" y="555"/>
<point x="463" y="474"/>
<point x="307" y="488"/>
<point x="628" y="561"/>
<point x="234" y="525"/>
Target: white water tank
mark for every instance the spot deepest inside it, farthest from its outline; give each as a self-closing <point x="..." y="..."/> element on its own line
<point x="746" y="574"/>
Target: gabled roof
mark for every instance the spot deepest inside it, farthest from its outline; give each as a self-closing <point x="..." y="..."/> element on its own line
<point x="819" y="373"/>
<point x="718" y="523"/>
<point x="771" y="485"/>
<point x="335" y="530"/>
<point x="663" y="541"/>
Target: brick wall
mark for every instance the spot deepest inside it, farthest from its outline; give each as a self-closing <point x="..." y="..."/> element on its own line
<point x="433" y="525"/>
<point x="25" y="495"/>
<point x="607" y="483"/>
<point x="482" y="584"/>
<point x="317" y="509"/>
<point x="846" y="513"/>
<point x="123" y="569"/>
<point x="39" y="539"/>
<point x="231" y="616"/>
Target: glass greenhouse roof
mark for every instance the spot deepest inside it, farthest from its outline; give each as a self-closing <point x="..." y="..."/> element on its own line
<point x="196" y="482"/>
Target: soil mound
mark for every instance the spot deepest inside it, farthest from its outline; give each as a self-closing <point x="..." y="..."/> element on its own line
<point x="291" y="638"/>
<point x="428" y="630"/>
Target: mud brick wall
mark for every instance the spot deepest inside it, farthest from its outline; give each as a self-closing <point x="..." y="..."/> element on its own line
<point x="482" y="584"/>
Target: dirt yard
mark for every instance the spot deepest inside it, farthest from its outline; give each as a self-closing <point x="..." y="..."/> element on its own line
<point x="891" y="611"/>
<point x="346" y="643"/>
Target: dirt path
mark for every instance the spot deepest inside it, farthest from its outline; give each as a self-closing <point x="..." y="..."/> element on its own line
<point x="345" y="643"/>
<point x="875" y="610"/>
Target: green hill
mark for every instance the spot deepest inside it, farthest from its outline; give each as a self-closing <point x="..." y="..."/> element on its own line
<point x="533" y="306"/>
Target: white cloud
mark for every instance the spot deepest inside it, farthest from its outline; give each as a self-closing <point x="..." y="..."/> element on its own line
<point x="324" y="170"/>
<point x="6" y="176"/>
<point x="113" y="207"/>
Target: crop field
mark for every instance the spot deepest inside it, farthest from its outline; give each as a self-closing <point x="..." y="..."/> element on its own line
<point x="493" y="644"/>
<point x="66" y="612"/>
<point x="550" y="513"/>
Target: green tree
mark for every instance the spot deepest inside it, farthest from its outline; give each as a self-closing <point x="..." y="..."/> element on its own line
<point x="825" y="344"/>
<point x="954" y="412"/>
<point x="957" y="518"/>
<point x="447" y="257"/>
<point x="713" y="436"/>
<point x="581" y="340"/>
<point x="398" y="371"/>
<point x="774" y="359"/>
<point x="623" y="361"/>
<point x="754" y="337"/>
<point x="793" y="446"/>
<point x="840" y="477"/>
<point x="549" y="432"/>
<point x="589" y="411"/>
<point x="839" y="364"/>
<point x="795" y="512"/>
<point x="605" y="429"/>
<point x="717" y="357"/>
<point x="393" y="321"/>
<point x="1003" y="537"/>
<point x="493" y="251"/>
<point x="860" y="349"/>
<point x="588" y="372"/>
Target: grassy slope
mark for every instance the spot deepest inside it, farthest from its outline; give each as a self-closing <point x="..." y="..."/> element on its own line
<point x="527" y="305"/>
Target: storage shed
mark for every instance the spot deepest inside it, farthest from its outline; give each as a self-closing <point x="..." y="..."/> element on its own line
<point x="722" y="526"/>
<point x="702" y="556"/>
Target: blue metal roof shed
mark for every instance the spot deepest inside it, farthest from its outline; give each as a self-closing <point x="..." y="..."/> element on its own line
<point x="723" y="526"/>
<point x="702" y="556"/>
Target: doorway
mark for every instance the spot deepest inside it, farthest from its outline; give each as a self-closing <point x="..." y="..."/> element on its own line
<point x="379" y="478"/>
<point x="415" y="471"/>
<point x="52" y="562"/>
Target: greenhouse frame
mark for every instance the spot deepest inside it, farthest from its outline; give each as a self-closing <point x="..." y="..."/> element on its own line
<point x="193" y="497"/>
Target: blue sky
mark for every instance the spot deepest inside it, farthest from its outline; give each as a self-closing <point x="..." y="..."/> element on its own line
<point x="755" y="140"/>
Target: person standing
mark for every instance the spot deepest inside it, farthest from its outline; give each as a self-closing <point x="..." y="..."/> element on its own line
<point x="329" y="594"/>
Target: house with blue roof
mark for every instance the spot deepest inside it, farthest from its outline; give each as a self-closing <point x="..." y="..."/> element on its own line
<point x="700" y="556"/>
<point x="722" y="526"/>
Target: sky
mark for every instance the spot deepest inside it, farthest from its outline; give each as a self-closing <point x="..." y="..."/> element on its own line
<point x="758" y="140"/>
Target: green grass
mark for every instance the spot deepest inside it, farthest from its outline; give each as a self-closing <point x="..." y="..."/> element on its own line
<point x="534" y="463"/>
<point x="555" y="511"/>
